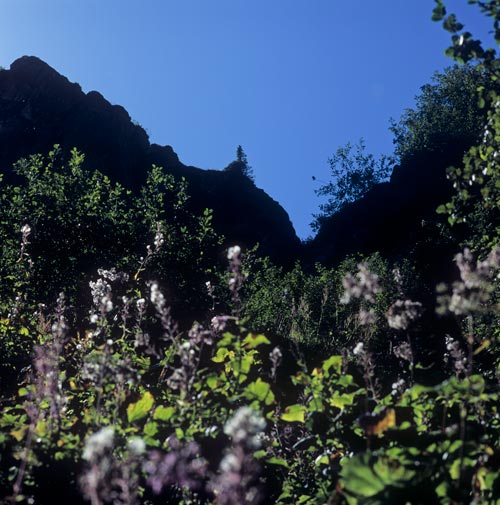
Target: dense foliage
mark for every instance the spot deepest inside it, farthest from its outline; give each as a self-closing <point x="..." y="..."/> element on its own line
<point x="137" y="369"/>
<point x="447" y="113"/>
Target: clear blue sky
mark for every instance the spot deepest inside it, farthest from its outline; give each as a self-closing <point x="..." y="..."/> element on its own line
<point x="289" y="80"/>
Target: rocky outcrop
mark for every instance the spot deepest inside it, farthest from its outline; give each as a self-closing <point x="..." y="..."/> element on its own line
<point x="40" y="108"/>
<point x="394" y="218"/>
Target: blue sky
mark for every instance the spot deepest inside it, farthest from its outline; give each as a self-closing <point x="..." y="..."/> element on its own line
<point x="289" y="80"/>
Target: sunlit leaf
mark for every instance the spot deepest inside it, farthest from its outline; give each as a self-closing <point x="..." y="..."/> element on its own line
<point x="140" y="409"/>
<point x="253" y="340"/>
<point x="163" y="413"/>
<point x="294" y="413"/>
<point x="259" y="390"/>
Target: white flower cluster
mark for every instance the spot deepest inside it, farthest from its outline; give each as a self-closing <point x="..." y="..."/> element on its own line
<point x="112" y="275"/>
<point x="157" y="298"/>
<point x="141" y="305"/>
<point x="398" y="387"/>
<point x="359" y="349"/>
<point x="364" y="285"/>
<point x="246" y="427"/>
<point x="476" y="284"/>
<point x="402" y="312"/>
<point x="159" y="239"/>
<point x="136" y="446"/>
<point x="101" y="293"/>
<point x="233" y="252"/>
<point x="98" y="444"/>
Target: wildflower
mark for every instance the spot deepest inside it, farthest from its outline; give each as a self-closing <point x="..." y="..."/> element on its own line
<point x="159" y="239"/>
<point x="455" y="354"/>
<point x="245" y="427"/>
<point x="99" y="289"/>
<point x="402" y="312"/>
<point x="182" y="466"/>
<point x="364" y="285"/>
<point x="471" y="293"/>
<point x="219" y="323"/>
<point x="136" y="446"/>
<point x="106" y="304"/>
<point x="157" y="297"/>
<point x="398" y="387"/>
<point x="275" y="357"/>
<point x="233" y="252"/>
<point x="359" y="349"/>
<point x="238" y="478"/>
<point x="403" y="351"/>
<point x="26" y="230"/>
<point x="141" y="305"/>
<point x="112" y="275"/>
<point x="366" y="317"/>
<point x="99" y="444"/>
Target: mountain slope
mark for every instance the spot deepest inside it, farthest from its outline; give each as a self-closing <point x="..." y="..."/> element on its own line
<point x="40" y="108"/>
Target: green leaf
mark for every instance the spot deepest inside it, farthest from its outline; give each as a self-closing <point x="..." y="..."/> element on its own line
<point x="140" y="409"/>
<point x="252" y="341"/>
<point x="213" y="381"/>
<point x="221" y="355"/>
<point x="439" y="11"/>
<point x="340" y="400"/>
<point x="259" y="454"/>
<point x="163" y="413"/>
<point x="278" y="461"/>
<point x="150" y="429"/>
<point x="294" y="413"/>
<point x="333" y="361"/>
<point x="259" y="390"/>
<point x="450" y="24"/>
<point x="366" y="475"/>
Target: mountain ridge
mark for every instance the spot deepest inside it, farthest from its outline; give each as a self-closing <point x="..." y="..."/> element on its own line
<point x="39" y="107"/>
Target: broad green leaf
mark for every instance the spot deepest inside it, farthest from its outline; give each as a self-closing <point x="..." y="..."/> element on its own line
<point x="259" y="390"/>
<point x="333" y="361"/>
<point x="252" y="341"/>
<point x="221" y="355"/>
<point x="294" y="413"/>
<point x="359" y="478"/>
<point x="163" y="413"/>
<point x="150" y="429"/>
<point x="140" y="409"/>
<point x="19" y="434"/>
<point x="341" y="400"/>
<point x="214" y="381"/>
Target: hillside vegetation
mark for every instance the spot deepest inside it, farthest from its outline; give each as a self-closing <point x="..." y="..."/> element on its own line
<point x="149" y="356"/>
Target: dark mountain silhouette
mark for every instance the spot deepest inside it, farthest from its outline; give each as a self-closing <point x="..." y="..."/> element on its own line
<point x="39" y="108"/>
<point x="397" y="218"/>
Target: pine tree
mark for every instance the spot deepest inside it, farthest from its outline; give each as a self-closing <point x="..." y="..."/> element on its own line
<point x="240" y="165"/>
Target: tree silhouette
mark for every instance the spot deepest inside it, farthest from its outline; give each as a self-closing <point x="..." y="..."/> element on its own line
<point x="240" y="165"/>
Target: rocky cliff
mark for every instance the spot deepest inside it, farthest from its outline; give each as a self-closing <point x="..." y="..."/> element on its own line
<point x="397" y="218"/>
<point x="40" y="108"/>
